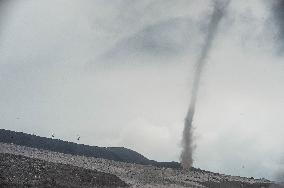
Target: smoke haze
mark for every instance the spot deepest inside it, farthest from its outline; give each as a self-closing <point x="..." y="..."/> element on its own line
<point x="4" y="8"/>
<point x="278" y="15"/>
<point x="278" y="11"/>
<point x="187" y="140"/>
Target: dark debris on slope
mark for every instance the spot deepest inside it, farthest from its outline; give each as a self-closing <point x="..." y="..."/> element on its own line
<point x="20" y="171"/>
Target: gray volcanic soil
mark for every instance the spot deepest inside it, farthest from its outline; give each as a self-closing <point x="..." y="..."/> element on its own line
<point x="20" y="171"/>
<point x="136" y="175"/>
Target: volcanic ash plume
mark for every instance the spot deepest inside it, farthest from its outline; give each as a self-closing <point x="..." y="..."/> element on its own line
<point x="187" y="140"/>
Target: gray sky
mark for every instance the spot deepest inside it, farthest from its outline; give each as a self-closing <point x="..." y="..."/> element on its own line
<point x="118" y="73"/>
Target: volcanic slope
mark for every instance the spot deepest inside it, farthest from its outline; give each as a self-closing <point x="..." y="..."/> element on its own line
<point x="21" y="171"/>
<point x="135" y="175"/>
<point x="112" y="153"/>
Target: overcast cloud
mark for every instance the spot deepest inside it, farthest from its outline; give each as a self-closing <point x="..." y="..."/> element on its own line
<point x="118" y="73"/>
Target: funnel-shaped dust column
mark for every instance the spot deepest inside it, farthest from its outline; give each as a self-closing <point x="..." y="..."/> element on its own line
<point x="187" y="140"/>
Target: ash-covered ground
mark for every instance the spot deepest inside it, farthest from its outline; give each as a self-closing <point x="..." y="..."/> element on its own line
<point x="21" y="171"/>
<point x="134" y="175"/>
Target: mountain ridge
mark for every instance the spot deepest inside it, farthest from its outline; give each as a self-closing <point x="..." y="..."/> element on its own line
<point x="121" y="154"/>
